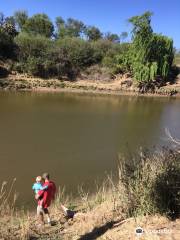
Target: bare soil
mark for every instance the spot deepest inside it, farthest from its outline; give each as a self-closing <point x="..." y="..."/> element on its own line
<point x="121" y="85"/>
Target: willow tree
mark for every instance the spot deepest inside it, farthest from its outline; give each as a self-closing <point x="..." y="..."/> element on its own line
<point x="150" y="54"/>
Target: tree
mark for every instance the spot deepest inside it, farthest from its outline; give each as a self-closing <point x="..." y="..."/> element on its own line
<point x="74" y="27"/>
<point x="1" y="19"/>
<point x="112" y="37"/>
<point x="7" y="34"/>
<point x="39" y="24"/>
<point x="123" y="36"/>
<point x="70" y="28"/>
<point x="150" y="54"/>
<point x="9" y="26"/>
<point x="93" y="33"/>
<point x="20" y="19"/>
<point x="7" y="45"/>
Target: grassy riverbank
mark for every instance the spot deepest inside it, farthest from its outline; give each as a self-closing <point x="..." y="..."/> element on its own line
<point x="143" y="194"/>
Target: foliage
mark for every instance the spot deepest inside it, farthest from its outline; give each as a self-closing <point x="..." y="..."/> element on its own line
<point x="112" y="37"/>
<point x="6" y="45"/>
<point x="177" y="58"/>
<point x="150" y="54"/>
<point x="69" y="28"/>
<point x="167" y="187"/>
<point x="73" y="54"/>
<point x="34" y="54"/>
<point x="20" y="19"/>
<point x="116" y="58"/>
<point x="151" y="181"/>
<point x="71" y="46"/>
<point x="93" y="33"/>
<point x="102" y="47"/>
<point x="123" y="36"/>
<point x="3" y="72"/>
<point x="43" y="57"/>
<point x="39" y="24"/>
<point x="7" y="34"/>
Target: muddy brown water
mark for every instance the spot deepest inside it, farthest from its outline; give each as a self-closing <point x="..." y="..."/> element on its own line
<point x="76" y="137"/>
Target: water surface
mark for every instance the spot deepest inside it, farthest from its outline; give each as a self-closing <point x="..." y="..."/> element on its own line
<point x="76" y="137"/>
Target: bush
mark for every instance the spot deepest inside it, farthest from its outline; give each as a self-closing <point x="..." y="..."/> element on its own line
<point x="101" y="47"/>
<point x="71" y="55"/>
<point x="152" y="183"/>
<point x="167" y="187"/>
<point x="116" y="58"/>
<point x="3" y="72"/>
<point x="43" y="57"/>
<point x="7" y="46"/>
<point x="34" y="55"/>
<point x="79" y="52"/>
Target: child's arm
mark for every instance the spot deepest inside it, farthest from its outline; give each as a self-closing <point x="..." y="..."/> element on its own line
<point x="43" y="188"/>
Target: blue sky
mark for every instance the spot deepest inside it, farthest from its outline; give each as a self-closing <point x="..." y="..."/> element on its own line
<point x="108" y="15"/>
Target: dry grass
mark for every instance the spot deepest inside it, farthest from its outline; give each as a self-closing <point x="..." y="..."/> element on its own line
<point x="114" y="211"/>
<point x="7" y="198"/>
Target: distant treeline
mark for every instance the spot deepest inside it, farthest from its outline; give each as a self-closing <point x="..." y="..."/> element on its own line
<point x="38" y="47"/>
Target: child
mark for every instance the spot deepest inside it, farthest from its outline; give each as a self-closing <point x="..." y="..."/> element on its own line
<point x="38" y="186"/>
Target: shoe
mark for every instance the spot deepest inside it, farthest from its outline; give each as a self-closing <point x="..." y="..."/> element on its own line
<point x="49" y="223"/>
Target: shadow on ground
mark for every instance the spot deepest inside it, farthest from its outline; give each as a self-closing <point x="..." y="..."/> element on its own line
<point x="99" y="231"/>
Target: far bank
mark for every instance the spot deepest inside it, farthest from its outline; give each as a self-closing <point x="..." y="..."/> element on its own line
<point x="121" y="85"/>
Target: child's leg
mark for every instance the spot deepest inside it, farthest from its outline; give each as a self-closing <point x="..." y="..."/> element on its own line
<point x="47" y="215"/>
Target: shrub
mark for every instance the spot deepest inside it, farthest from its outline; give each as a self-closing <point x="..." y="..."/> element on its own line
<point x="116" y="58"/>
<point x="7" y="46"/>
<point x="3" y="72"/>
<point x="152" y="183"/>
<point x="34" y="55"/>
<point x="166" y="187"/>
<point x="79" y="52"/>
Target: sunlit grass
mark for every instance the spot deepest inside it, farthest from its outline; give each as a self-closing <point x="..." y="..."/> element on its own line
<point x="147" y="187"/>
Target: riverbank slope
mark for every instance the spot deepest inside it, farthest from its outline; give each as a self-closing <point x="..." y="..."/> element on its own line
<point x="144" y="196"/>
<point x="121" y="85"/>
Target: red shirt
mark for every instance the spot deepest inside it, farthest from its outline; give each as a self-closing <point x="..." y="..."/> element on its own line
<point x="48" y="194"/>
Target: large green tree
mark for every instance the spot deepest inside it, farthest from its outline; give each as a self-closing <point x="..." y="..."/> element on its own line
<point x="112" y="37"/>
<point x="20" y="19"/>
<point x="39" y="24"/>
<point x="123" y="36"/>
<point x="150" y="54"/>
<point x="74" y="27"/>
<point x="69" y="28"/>
<point x="93" y="33"/>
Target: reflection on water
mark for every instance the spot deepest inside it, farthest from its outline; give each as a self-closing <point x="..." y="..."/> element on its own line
<point x="76" y="137"/>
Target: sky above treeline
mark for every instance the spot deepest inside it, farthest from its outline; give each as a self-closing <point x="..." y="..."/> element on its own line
<point x="108" y="15"/>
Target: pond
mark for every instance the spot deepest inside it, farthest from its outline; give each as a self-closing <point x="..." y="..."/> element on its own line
<point x="77" y="137"/>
